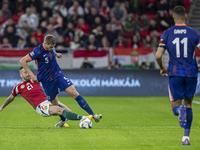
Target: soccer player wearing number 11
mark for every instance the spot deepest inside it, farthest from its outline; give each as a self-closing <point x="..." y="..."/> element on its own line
<point x="180" y="41"/>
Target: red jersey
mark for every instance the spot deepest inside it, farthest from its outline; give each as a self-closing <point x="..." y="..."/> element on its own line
<point x="3" y="20"/>
<point x="32" y="92"/>
<point x="104" y="12"/>
<point x="85" y="28"/>
<point x="39" y="37"/>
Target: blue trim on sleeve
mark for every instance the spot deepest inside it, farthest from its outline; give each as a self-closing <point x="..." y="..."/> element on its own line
<point x="162" y="35"/>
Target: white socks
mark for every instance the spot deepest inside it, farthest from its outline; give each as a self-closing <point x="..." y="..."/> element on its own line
<point x="185" y="137"/>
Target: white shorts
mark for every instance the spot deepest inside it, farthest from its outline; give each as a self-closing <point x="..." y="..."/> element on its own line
<point x="43" y="108"/>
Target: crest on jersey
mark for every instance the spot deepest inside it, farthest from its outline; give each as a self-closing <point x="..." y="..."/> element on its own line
<point x="32" y="53"/>
<point x="45" y="107"/>
<point x="22" y="86"/>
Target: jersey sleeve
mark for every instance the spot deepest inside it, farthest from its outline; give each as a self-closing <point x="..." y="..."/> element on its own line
<point x="162" y="41"/>
<point x="197" y="42"/>
<point x="34" y="54"/>
<point x="15" y="91"/>
<point x="54" y="49"/>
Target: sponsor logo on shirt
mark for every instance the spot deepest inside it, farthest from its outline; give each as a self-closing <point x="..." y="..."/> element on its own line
<point x="41" y="107"/>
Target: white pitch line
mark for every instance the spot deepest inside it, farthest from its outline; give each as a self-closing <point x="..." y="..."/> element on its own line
<point x="104" y="127"/>
<point x="23" y="126"/>
<point x="196" y="102"/>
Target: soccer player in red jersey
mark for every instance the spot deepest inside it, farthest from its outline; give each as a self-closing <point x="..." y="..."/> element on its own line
<point x="32" y="92"/>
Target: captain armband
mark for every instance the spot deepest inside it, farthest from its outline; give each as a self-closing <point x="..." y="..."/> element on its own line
<point x="162" y="44"/>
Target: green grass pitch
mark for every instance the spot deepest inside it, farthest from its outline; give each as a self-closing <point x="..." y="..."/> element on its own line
<point x="128" y="123"/>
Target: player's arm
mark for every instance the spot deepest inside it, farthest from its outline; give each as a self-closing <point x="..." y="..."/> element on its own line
<point x="7" y="101"/>
<point x="198" y="45"/>
<point x="58" y="55"/>
<point x="24" y="64"/>
<point x="159" y="53"/>
<point x="198" y="64"/>
<point x="64" y="106"/>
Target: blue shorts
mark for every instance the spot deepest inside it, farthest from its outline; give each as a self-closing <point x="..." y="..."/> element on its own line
<point x="180" y="87"/>
<point x="59" y="84"/>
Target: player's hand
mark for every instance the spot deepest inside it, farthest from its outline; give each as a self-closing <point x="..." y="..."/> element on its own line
<point x="58" y="55"/>
<point x="199" y="68"/>
<point x="163" y="72"/>
<point x="1" y="108"/>
<point x="33" y="79"/>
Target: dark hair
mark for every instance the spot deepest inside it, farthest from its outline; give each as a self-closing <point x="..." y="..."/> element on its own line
<point x="140" y="13"/>
<point x="9" y="18"/>
<point x="120" y="34"/>
<point x="10" y="26"/>
<point x="20" y="68"/>
<point x="76" y="1"/>
<point x="5" y="3"/>
<point x="179" y="10"/>
<point x="59" y="2"/>
<point x="20" y="38"/>
<point x="56" y="11"/>
<point x="23" y="28"/>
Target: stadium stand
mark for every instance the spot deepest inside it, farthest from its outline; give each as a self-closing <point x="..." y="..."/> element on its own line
<point x="82" y="17"/>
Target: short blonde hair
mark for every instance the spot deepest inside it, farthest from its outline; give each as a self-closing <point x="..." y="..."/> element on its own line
<point x="50" y="39"/>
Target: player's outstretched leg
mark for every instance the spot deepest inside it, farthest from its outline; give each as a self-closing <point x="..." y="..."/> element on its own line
<point x="71" y="116"/>
<point x="82" y="102"/>
<point x="62" y="124"/>
<point x="97" y="117"/>
<point x="62" y="121"/>
<point x="89" y="117"/>
<point x="74" y="116"/>
<point x="84" y="105"/>
<point x="182" y="116"/>
<point x="55" y="110"/>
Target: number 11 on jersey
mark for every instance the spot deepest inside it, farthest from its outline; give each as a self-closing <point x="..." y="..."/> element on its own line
<point x="184" y="41"/>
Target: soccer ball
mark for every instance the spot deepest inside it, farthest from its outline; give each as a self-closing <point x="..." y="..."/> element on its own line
<point x="85" y="123"/>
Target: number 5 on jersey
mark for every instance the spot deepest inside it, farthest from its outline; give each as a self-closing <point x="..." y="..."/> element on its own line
<point x="184" y="41"/>
<point x="46" y="60"/>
